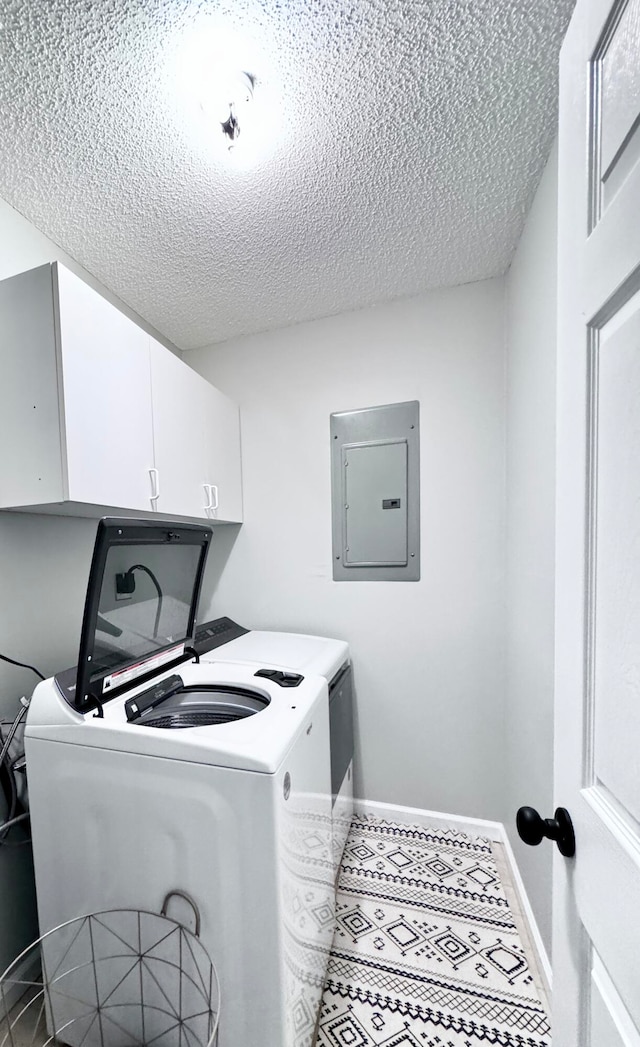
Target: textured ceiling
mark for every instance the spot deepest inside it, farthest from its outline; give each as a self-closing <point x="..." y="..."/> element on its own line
<point x="400" y="143"/>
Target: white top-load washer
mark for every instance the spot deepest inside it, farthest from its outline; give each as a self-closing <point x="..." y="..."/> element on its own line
<point x="223" y="641"/>
<point x="151" y="772"/>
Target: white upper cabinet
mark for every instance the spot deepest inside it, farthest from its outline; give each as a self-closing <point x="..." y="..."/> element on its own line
<point x="196" y="431"/>
<point x="221" y="438"/>
<point x="31" y="468"/>
<point x="106" y="399"/>
<point x="177" y="425"/>
<point x="96" y="415"/>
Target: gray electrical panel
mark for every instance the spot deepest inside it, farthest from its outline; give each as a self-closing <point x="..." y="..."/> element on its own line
<point x="375" y="479"/>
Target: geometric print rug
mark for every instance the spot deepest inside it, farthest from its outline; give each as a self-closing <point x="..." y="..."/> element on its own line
<point x="426" y="951"/>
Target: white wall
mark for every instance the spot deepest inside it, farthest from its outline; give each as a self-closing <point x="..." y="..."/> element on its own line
<point x="44" y="563"/>
<point x="428" y="656"/>
<point x="531" y="341"/>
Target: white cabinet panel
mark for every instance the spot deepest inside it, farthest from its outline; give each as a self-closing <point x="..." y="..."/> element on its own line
<point x="196" y="442"/>
<point x="30" y="462"/>
<point x="179" y="455"/>
<point x="106" y="398"/>
<point x="221" y="419"/>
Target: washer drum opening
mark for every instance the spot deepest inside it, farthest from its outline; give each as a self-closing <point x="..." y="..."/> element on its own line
<point x="205" y="706"/>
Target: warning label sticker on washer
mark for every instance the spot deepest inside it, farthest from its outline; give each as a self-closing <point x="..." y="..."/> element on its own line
<point x="147" y="665"/>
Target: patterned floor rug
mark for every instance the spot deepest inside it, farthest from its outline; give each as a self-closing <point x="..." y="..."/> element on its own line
<point x="426" y="952"/>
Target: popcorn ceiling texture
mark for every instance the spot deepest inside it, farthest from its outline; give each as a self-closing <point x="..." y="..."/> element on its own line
<point x="411" y="139"/>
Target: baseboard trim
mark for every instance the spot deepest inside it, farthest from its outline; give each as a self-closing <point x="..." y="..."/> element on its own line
<point x="415" y="815"/>
<point x="534" y="930"/>
<point x="494" y="831"/>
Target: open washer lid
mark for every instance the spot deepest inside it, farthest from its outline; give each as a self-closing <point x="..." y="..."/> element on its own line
<point x="140" y="609"/>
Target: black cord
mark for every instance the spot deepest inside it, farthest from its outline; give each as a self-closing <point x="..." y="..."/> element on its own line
<point x="10" y="790"/>
<point x="8" y="784"/>
<point x="141" y="567"/>
<point x="22" y="665"/>
<point x="8" y="781"/>
<point x="15" y="808"/>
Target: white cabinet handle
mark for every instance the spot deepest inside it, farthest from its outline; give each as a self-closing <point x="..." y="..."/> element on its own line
<point x="212" y="499"/>
<point x="155" y="487"/>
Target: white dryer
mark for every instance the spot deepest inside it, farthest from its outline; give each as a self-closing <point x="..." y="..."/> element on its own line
<point x="223" y="641"/>
<point x="150" y="772"/>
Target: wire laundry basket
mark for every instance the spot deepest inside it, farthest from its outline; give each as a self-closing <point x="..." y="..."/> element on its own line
<point x="120" y="978"/>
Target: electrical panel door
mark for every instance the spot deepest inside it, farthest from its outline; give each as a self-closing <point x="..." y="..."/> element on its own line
<point x="375" y="511"/>
<point x="375" y="485"/>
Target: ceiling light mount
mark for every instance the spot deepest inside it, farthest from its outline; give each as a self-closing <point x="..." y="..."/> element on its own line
<point x="233" y="114"/>
<point x="231" y="127"/>
<point x="239" y="88"/>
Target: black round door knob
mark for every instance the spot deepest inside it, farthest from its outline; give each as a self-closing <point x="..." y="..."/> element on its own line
<point x="533" y="829"/>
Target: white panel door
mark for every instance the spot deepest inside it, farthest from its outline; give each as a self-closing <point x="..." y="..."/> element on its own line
<point x="104" y="367"/>
<point x="596" y="945"/>
<point x="221" y="424"/>
<point x="178" y="436"/>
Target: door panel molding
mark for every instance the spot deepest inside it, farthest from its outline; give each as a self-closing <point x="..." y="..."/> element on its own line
<point x="607" y="148"/>
<point x="624" y="828"/>
<point x="609" y="1016"/>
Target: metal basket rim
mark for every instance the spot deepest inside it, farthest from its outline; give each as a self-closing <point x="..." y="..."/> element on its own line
<point x="106" y="912"/>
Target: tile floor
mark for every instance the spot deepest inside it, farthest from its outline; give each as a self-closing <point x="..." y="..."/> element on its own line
<point x="427" y="950"/>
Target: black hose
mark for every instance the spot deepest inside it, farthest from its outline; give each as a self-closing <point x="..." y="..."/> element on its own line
<point x="7" y="782"/>
<point x="5" y="826"/>
<point x="7" y="779"/>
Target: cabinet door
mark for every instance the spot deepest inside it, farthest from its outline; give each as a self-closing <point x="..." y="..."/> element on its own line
<point x="222" y="443"/>
<point x="106" y="399"/>
<point x="180" y="457"/>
